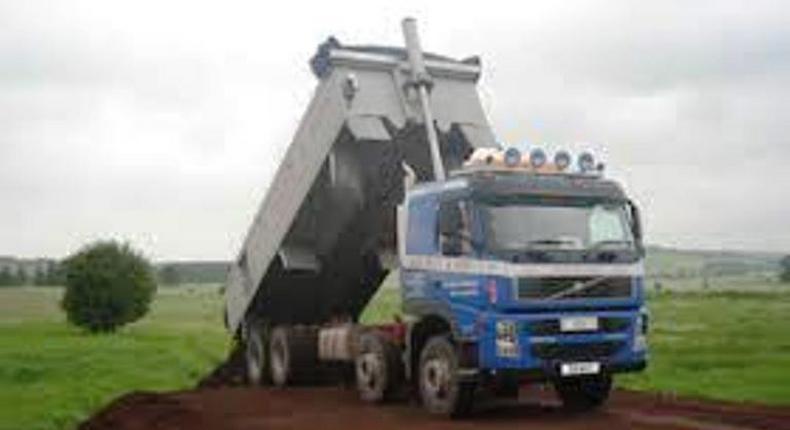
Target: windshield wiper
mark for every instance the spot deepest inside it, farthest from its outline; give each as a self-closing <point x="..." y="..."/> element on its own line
<point x="536" y="255"/>
<point x="557" y="241"/>
<point x="577" y="287"/>
<point x="603" y="243"/>
<point x="606" y="251"/>
<point x="464" y="237"/>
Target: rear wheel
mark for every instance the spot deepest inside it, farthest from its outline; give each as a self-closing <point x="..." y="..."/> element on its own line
<point x="293" y="355"/>
<point x="584" y="393"/>
<point x="441" y="388"/>
<point x="379" y="370"/>
<point x="255" y="353"/>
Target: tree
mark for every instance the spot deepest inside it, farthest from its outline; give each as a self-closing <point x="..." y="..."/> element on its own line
<point x="21" y="276"/>
<point x="40" y="277"/>
<point x="6" y="278"/>
<point x="108" y="285"/>
<point x="54" y="274"/>
<point x="169" y="275"/>
<point x="784" y="273"/>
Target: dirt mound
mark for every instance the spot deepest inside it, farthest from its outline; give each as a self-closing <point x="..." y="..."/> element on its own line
<point x="332" y="407"/>
<point x="138" y="410"/>
<point x="221" y="401"/>
<point x="229" y="373"/>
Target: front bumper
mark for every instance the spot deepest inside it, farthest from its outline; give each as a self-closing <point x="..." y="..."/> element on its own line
<point x="540" y="347"/>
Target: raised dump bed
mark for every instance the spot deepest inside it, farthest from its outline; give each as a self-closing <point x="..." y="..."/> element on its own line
<point x="324" y="236"/>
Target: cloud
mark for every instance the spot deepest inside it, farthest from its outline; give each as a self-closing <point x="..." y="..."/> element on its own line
<point x="162" y="122"/>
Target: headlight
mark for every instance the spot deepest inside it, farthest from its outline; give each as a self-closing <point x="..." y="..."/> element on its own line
<point x="506" y="331"/>
<point x="506" y="339"/>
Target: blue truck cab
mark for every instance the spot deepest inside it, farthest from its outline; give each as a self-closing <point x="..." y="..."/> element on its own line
<point x="513" y="275"/>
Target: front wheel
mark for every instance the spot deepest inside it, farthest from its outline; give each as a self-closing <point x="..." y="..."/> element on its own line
<point x="441" y="388"/>
<point x="379" y="370"/>
<point x="585" y="393"/>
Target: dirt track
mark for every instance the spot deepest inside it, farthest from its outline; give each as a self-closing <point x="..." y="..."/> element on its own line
<point x="333" y="407"/>
<point x="218" y="404"/>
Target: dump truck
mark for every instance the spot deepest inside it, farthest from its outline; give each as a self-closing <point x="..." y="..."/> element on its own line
<point x="513" y="268"/>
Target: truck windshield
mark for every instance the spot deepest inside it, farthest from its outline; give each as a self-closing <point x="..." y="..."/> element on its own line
<point x="539" y="230"/>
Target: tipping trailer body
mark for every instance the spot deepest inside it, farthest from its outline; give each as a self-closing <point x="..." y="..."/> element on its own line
<point x="323" y="238"/>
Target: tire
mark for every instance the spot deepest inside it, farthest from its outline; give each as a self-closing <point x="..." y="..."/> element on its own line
<point x="441" y="389"/>
<point x="293" y="355"/>
<point x="378" y="368"/>
<point x="584" y="393"/>
<point x="255" y="354"/>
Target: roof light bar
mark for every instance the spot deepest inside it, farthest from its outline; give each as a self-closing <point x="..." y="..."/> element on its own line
<point x="586" y="162"/>
<point x="512" y="157"/>
<point x="562" y="159"/>
<point x="537" y="158"/>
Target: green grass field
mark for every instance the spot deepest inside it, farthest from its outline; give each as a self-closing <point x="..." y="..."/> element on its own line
<point x="722" y="345"/>
<point x="52" y="375"/>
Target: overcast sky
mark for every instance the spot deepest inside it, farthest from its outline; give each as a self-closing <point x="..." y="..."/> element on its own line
<point x="161" y="122"/>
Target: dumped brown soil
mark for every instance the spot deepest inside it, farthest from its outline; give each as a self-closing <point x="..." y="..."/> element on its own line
<point x="217" y="405"/>
<point x="229" y="373"/>
<point x="332" y="407"/>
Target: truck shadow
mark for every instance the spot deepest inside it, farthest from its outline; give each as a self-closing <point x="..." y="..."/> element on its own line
<point x="526" y="410"/>
<point x="506" y="410"/>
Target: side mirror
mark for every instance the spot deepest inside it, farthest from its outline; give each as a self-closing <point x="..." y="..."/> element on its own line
<point x="636" y="225"/>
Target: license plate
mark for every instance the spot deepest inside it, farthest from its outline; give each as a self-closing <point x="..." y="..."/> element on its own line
<point x="580" y="368"/>
<point x="574" y="324"/>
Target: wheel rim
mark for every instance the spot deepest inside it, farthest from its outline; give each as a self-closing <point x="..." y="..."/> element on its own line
<point x="369" y="375"/>
<point x="436" y="379"/>
<point x="254" y="358"/>
<point x="278" y="363"/>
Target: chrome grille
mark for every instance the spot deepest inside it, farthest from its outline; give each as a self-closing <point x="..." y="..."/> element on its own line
<point x="551" y="326"/>
<point x="563" y="288"/>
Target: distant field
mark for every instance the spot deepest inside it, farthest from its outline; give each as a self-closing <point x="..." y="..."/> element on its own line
<point x="749" y="282"/>
<point x="723" y="345"/>
<point x="52" y="376"/>
<point x="663" y="262"/>
<point x="672" y="263"/>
